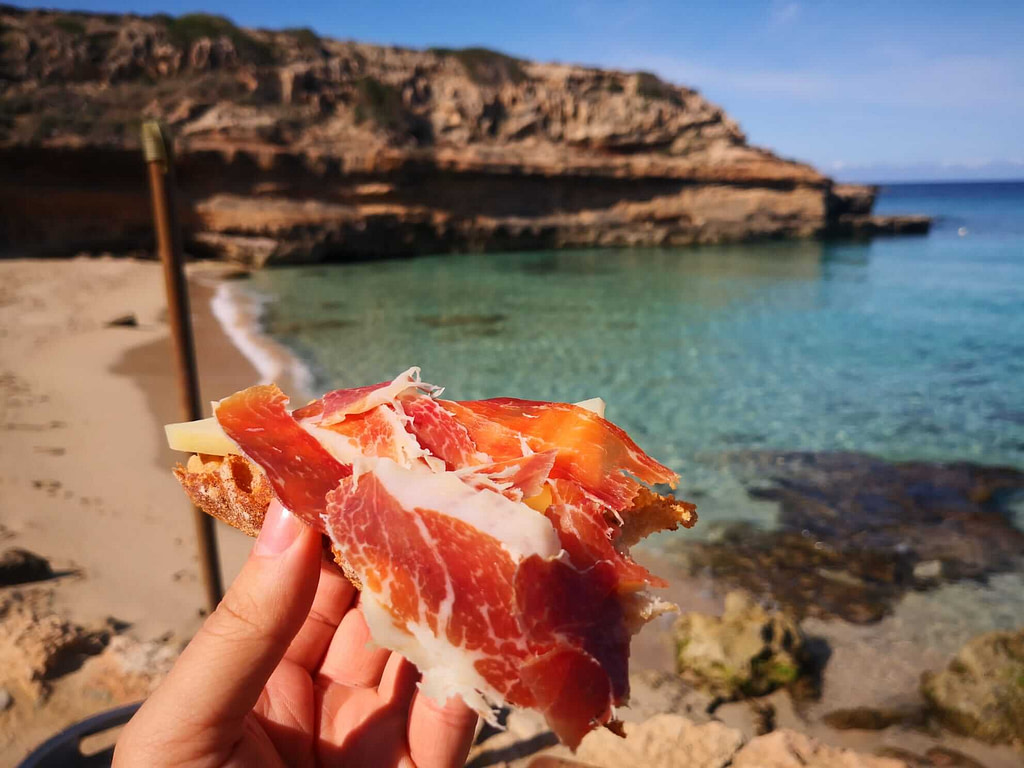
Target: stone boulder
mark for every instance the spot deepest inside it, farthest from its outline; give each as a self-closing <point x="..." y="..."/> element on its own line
<point x="790" y="749"/>
<point x="748" y="651"/>
<point x="19" y="566"/>
<point x="663" y="741"/>
<point x="671" y="741"/>
<point x="981" y="692"/>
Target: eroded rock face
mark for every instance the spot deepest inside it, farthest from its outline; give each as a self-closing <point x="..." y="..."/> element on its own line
<point x="748" y="651"/>
<point x="855" y="532"/>
<point x="404" y="151"/>
<point x="981" y="692"/>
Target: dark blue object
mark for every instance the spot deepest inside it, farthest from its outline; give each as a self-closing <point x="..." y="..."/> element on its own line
<point x="62" y="751"/>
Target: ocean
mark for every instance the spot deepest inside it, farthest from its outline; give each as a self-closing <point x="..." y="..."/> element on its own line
<point x="901" y="347"/>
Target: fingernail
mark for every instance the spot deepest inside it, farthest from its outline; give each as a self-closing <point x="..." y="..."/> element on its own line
<point x="280" y="529"/>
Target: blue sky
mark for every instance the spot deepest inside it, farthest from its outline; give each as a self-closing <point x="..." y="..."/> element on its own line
<point x="864" y="90"/>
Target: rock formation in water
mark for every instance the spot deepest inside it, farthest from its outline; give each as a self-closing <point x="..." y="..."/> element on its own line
<point x="855" y="533"/>
<point x="296" y="147"/>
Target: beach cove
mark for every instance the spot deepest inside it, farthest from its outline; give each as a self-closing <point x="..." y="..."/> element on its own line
<point x="84" y="462"/>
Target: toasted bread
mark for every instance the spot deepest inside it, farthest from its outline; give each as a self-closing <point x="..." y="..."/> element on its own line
<point x="235" y="491"/>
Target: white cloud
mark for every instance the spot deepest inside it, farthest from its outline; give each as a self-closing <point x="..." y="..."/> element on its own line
<point x="781" y="13"/>
<point x="960" y="170"/>
<point x="953" y="81"/>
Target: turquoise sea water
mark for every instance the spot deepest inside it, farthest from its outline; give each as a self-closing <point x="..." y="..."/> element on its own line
<point x="909" y="347"/>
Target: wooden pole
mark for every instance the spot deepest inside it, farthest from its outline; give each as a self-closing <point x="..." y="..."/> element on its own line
<point x="168" y="241"/>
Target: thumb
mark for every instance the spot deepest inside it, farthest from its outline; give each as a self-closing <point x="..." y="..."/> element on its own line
<point x="221" y="673"/>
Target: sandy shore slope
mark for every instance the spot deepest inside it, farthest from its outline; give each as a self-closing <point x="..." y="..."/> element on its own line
<point x="84" y="470"/>
<point x="83" y="465"/>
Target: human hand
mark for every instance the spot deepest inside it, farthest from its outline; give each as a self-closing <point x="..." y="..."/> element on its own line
<point x="282" y="674"/>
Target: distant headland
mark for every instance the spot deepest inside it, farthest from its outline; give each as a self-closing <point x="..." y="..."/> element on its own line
<point x="293" y="147"/>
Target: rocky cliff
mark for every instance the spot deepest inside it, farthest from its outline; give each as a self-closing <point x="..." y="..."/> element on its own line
<point x="295" y="147"/>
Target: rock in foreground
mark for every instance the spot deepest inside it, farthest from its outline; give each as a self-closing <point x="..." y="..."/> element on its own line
<point x="664" y="741"/>
<point x="672" y="741"/>
<point x="36" y="646"/>
<point x="789" y="749"/>
<point x="981" y="692"/>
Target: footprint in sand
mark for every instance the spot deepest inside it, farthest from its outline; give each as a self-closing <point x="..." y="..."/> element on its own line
<point x="50" y="486"/>
<point x="49" y="450"/>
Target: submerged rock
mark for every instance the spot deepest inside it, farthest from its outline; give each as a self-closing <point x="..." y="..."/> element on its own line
<point x="855" y="532"/>
<point x="935" y="757"/>
<point x="871" y="719"/>
<point x="981" y="692"/>
<point x="749" y="651"/>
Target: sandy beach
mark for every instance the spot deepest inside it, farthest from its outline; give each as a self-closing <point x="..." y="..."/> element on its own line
<point x="85" y="478"/>
<point x="85" y="483"/>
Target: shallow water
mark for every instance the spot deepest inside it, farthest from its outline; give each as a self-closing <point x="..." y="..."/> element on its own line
<point x="907" y="347"/>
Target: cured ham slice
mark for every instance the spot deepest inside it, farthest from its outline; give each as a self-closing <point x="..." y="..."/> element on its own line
<point x="492" y="600"/>
<point x="489" y="537"/>
<point x="522" y="478"/>
<point x="592" y="452"/>
<point x="343" y="402"/>
<point x="441" y="434"/>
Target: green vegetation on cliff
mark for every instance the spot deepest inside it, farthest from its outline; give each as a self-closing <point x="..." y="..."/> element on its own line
<point x="484" y="66"/>
<point x="188" y="29"/>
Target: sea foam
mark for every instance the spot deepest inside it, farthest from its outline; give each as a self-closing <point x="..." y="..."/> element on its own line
<point x="240" y="314"/>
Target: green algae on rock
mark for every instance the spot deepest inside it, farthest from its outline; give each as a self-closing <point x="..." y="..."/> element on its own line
<point x="749" y="651"/>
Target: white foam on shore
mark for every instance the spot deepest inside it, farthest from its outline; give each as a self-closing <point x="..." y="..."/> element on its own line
<point x="240" y="314"/>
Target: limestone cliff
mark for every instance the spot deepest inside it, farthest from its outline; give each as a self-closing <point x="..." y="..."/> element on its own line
<point x="296" y="147"/>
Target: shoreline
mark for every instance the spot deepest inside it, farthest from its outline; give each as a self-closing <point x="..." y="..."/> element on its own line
<point x="240" y="315"/>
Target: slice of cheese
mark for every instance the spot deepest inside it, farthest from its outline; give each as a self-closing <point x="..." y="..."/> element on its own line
<point x="594" y="405"/>
<point x="206" y="435"/>
<point x="203" y="436"/>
